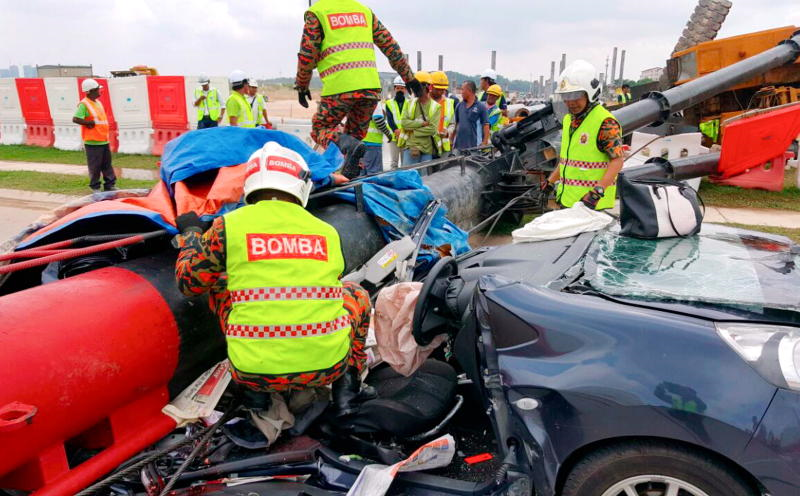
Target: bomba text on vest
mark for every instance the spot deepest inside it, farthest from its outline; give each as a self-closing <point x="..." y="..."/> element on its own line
<point x="350" y="20"/>
<point x="286" y="246"/>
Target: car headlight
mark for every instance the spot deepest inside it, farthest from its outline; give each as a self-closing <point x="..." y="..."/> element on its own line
<point x="773" y="351"/>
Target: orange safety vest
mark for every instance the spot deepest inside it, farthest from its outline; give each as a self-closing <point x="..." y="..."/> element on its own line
<point x="100" y="130"/>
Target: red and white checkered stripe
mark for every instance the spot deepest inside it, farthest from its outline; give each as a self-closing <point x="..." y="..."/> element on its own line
<point x="578" y="182"/>
<point x="287" y="293"/>
<point x="288" y="331"/>
<point x="583" y="165"/>
<point x="356" y="45"/>
<point x="346" y="66"/>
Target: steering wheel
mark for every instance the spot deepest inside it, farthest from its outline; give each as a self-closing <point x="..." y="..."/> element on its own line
<point x="431" y="311"/>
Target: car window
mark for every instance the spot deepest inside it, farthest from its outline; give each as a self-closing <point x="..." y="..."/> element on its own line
<point x="721" y="265"/>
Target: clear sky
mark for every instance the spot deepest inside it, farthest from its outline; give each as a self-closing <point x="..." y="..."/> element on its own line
<point x="262" y="36"/>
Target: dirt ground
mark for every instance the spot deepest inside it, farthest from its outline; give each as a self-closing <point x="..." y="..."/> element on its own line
<point x="290" y="109"/>
<point x="283" y="103"/>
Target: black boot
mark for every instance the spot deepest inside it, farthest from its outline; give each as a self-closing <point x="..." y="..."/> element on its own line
<point x="255" y="400"/>
<point x="348" y="393"/>
<point x="353" y="150"/>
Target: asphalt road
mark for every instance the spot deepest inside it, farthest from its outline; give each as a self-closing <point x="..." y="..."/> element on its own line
<point x="16" y="214"/>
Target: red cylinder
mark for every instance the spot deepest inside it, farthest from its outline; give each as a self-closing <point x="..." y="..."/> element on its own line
<point x="82" y="360"/>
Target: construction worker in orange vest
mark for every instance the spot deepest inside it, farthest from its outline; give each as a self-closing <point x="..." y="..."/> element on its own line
<point x="95" y="134"/>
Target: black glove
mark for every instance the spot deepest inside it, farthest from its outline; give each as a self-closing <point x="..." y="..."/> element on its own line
<point x="415" y="87"/>
<point x="302" y="94"/>
<point x="189" y="222"/>
<point x="590" y="199"/>
<point x="90" y="124"/>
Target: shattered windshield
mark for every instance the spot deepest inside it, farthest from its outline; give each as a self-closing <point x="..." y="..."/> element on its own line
<point x="721" y="265"/>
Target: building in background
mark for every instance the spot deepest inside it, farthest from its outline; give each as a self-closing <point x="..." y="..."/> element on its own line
<point x="653" y="73"/>
<point x="11" y="71"/>
<point x="61" y="71"/>
<point x="28" y="71"/>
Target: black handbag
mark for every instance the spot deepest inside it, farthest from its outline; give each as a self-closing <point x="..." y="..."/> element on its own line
<point x="658" y="208"/>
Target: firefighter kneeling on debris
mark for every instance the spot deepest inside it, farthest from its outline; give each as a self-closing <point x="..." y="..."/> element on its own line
<point x="290" y="323"/>
<point x="591" y="142"/>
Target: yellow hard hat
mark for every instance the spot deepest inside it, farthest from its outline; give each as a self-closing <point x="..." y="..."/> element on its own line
<point x="440" y="80"/>
<point x="495" y="90"/>
<point x="423" y="77"/>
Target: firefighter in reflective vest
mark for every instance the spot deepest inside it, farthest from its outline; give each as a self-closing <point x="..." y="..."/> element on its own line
<point x="496" y="119"/>
<point x="91" y="116"/>
<point x="447" y="120"/>
<point x="394" y="115"/>
<point x="240" y="113"/>
<point x="591" y="142"/>
<point x="290" y="324"/>
<point x="338" y="40"/>
<point x="209" y="108"/>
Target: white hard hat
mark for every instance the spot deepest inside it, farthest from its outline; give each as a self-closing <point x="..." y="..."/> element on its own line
<point x="89" y="84"/>
<point x="579" y="76"/>
<point x="489" y="73"/>
<point x="279" y="168"/>
<point x="237" y="77"/>
<point x="398" y="81"/>
<point x="252" y="83"/>
<point x="203" y="79"/>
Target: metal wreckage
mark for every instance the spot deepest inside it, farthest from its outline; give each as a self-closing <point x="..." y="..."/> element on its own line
<point x="83" y="389"/>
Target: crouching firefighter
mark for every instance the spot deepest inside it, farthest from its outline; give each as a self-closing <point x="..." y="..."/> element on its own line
<point x="273" y="272"/>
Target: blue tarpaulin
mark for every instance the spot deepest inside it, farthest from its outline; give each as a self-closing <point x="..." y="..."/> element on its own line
<point x="216" y="147"/>
<point x="397" y="198"/>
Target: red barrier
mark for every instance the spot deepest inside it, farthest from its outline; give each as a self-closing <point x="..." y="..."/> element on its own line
<point x="33" y="100"/>
<point x="113" y="137"/>
<point x="167" y="95"/>
<point x="162" y="136"/>
<point x="756" y="138"/>
<point x="40" y="135"/>
<point x="768" y="176"/>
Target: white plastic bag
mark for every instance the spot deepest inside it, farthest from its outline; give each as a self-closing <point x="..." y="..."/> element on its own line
<point x="562" y="224"/>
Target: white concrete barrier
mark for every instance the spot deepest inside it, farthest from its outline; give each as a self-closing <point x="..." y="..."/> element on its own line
<point x="12" y="124"/>
<point x="63" y="99"/>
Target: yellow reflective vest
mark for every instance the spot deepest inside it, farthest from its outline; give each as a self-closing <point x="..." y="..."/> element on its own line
<point x="257" y="106"/>
<point x="211" y="103"/>
<point x="448" y="116"/>
<point x="347" y="54"/>
<point x="497" y="114"/>
<point x="397" y="113"/>
<point x="245" y="117"/>
<point x="581" y="164"/>
<point x="283" y="267"/>
<point x="416" y="112"/>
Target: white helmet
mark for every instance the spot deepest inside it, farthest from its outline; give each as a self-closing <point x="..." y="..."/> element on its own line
<point x="237" y="77"/>
<point x="398" y="81"/>
<point x="578" y="76"/>
<point x="203" y="79"/>
<point x="89" y="84"/>
<point x="279" y="168"/>
<point x="489" y="73"/>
